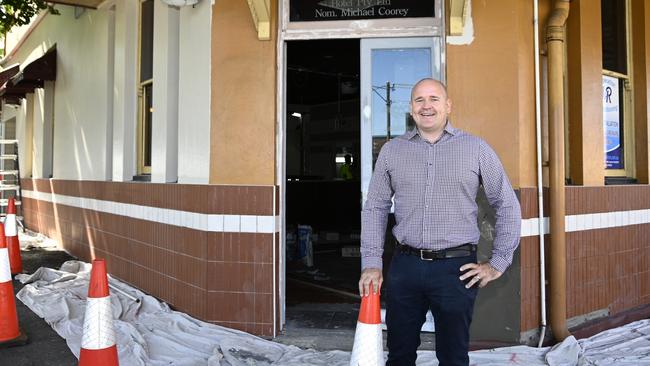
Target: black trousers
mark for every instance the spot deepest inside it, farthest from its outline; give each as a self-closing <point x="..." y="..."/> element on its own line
<point x="415" y="286"/>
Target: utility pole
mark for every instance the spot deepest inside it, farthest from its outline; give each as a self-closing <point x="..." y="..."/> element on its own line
<point x="388" y="104"/>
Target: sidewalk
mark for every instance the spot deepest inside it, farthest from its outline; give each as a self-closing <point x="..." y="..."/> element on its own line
<point x="45" y="347"/>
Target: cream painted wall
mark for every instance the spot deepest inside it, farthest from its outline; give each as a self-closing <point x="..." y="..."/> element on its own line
<point x="584" y="62"/>
<point x="194" y="94"/>
<point x="164" y="144"/>
<point x="497" y="106"/>
<point x="80" y="108"/>
<point x="125" y="90"/>
<point x="95" y="93"/>
<point x="43" y="106"/>
<point x="243" y="99"/>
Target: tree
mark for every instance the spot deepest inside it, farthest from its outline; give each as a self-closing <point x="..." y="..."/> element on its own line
<point x="20" y="12"/>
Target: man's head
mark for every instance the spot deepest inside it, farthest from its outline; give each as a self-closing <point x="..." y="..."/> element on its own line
<point x="430" y="105"/>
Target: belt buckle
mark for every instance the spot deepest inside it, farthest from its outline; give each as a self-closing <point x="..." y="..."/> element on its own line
<point x="422" y="256"/>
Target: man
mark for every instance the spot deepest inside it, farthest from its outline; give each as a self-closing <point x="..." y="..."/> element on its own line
<point x="433" y="174"/>
<point x="345" y="171"/>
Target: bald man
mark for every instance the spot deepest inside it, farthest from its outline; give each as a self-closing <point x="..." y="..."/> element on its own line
<point x="432" y="174"/>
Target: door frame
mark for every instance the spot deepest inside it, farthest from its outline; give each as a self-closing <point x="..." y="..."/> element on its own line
<point x="292" y="31"/>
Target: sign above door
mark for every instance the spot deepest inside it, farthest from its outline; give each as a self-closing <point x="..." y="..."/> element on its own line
<point x="324" y="10"/>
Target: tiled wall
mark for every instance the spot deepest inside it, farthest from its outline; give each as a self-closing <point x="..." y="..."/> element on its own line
<point x="206" y="250"/>
<point x="607" y="268"/>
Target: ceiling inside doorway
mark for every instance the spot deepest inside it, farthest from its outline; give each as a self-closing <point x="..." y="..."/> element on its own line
<point x="318" y="69"/>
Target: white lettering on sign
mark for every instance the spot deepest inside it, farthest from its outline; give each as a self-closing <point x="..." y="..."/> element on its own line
<point x="393" y="12"/>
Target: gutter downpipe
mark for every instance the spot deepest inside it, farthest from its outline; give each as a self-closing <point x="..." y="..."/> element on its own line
<point x="555" y="38"/>
<point x="540" y="180"/>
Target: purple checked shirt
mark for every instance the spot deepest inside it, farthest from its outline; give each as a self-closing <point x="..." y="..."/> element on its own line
<point x="434" y="186"/>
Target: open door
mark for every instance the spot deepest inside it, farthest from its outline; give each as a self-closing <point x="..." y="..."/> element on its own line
<point x="389" y="69"/>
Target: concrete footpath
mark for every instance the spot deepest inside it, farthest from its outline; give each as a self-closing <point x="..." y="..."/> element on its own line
<point x="45" y="347"/>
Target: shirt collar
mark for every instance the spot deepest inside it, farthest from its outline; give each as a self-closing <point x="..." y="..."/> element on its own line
<point x="448" y="129"/>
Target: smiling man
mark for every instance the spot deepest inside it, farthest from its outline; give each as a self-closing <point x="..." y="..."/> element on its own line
<point x="433" y="174"/>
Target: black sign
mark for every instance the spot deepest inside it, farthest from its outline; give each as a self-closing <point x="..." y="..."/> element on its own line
<point x="320" y="10"/>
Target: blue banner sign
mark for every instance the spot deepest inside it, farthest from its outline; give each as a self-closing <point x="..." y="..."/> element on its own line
<point x="612" y="123"/>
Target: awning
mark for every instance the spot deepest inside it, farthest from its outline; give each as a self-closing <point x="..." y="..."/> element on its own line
<point x="39" y="70"/>
<point x="5" y="76"/>
<point x="15" y="84"/>
<point x="8" y="73"/>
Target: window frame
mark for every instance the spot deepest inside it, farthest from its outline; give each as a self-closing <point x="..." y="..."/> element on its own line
<point x="141" y="131"/>
<point x="629" y="150"/>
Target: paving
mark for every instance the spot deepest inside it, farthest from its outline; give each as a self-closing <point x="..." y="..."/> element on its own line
<point x="45" y="347"/>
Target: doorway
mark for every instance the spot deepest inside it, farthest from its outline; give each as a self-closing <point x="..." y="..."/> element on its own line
<point x="323" y="195"/>
<point x="344" y="99"/>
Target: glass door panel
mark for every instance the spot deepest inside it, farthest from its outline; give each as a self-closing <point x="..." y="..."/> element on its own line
<point x="389" y="69"/>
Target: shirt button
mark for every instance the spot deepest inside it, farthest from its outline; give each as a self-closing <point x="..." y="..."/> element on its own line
<point x="429" y="164"/>
<point x="426" y="206"/>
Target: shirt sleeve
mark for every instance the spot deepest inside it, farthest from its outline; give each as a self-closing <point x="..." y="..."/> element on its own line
<point x="503" y="200"/>
<point x="374" y="216"/>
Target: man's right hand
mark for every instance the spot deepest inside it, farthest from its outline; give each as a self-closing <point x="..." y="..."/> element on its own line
<point x="370" y="276"/>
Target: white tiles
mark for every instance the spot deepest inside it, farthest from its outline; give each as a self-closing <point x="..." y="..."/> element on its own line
<point x="583" y="222"/>
<point x="215" y="223"/>
<point x="272" y="224"/>
<point x="248" y="224"/>
<point x="193" y="220"/>
<point x="266" y="224"/>
<point x="231" y="223"/>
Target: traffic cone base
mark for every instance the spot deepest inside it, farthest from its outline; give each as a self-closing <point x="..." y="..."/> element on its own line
<point x="9" y="318"/>
<point x="21" y="340"/>
<point x="368" y="349"/>
<point x="99" y="357"/>
<point x="10" y="333"/>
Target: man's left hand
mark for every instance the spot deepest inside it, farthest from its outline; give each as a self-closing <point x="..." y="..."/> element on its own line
<point x="481" y="273"/>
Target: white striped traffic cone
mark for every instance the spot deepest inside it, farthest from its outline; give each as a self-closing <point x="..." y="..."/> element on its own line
<point x="368" y="349"/>
<point x="10" y="334"/>
<point x="98" y="342"/>
<point x="11" y="231"/>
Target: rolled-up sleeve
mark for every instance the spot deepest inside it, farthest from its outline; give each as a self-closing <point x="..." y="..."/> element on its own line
<point x="503" y="200"/>
<point x="374" y="216"/>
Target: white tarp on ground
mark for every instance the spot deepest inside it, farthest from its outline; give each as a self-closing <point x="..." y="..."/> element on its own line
<point x="149" y="333"/>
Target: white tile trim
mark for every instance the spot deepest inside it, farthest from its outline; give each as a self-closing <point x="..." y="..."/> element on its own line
<point x="271" y="224"/>
<point x="603" y="220"/>
<point x="205" y="222"/>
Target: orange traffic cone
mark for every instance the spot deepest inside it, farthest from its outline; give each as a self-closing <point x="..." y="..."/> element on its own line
<point x="368" y="349"/>
<point x="10" y="334"/>
<point x="98" y="342"/>
<point x="15" y="261"/>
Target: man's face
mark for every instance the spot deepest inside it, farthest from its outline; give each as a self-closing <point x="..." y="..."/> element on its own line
<point x="430" y="106"/>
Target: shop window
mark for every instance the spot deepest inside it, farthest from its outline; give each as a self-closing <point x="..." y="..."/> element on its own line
<point x="145" y="87"/>
<point x="618" y="118"/>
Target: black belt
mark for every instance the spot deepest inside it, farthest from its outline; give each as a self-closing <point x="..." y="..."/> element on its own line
<point x="429" y="255"/>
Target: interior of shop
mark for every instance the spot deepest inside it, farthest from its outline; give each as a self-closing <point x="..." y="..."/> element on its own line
<point x="323" y="189"/>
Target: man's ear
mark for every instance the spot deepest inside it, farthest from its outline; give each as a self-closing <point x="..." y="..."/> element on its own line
<point x="448" y="105"/>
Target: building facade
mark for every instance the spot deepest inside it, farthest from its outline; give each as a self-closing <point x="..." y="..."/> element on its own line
<point x="183" y="143"/>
